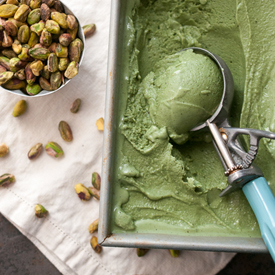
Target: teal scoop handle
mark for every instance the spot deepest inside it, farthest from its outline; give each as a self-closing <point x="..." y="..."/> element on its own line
<point x="262" y="201"/>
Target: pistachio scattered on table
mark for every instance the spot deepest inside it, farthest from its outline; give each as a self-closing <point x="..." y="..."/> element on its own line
<point x="174" y="253"/>
<point x="40" y="211"/>
<point x="4" y="150"/>
<point x="75" y="106"/>
<point x="6" y="179"/>
<point x="93" y="226"/>
<point x="65" y="131"/>
<point x="96" y="180"/>
<point x="89" y="30"/>
<point x="94" y="192"/>
<point x="82" y="192"/>
<point x="53" y="149"/>
<point x="19" y="108"/>
<point x="94" y="243"/>
<point x="141" y="252"/>
<point x="32" y="31"/>
<point x="35" y="151"/>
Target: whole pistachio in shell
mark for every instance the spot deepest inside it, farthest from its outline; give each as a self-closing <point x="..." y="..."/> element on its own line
<point x="35" y="151"/>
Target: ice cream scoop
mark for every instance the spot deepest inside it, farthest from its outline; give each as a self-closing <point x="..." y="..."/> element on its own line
<point x="236" y="161"/>
<point x="175" y="100"/>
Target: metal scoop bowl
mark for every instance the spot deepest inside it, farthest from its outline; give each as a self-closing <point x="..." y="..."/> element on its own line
<point x="236" y="161"/>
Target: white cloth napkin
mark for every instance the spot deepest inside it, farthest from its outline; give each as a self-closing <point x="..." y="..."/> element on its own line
<point x="63" y="236"/>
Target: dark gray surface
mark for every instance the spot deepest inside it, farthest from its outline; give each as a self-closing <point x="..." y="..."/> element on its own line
<point x="19" y="256"/>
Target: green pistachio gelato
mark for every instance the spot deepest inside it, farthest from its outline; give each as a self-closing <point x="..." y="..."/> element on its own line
<point x="164" y="187"/>
<point x="182" y="91"/>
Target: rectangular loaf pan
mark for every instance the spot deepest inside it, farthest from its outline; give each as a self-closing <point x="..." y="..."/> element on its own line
<point x="164" y="241"/>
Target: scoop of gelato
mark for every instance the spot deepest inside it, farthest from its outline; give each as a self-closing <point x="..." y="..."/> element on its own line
<point x="183" y="91"/>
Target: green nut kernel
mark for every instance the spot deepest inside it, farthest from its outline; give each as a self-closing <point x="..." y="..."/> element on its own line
<point x="8" y="10"/>
<point x="45" y="84"/>
<point x="45" y="72"/>
<point x="89" y="30"/>
<point x="72" y="22"/>
<point x="6" y="179"/>
<point x="94" y="192"/>
<point x="16" y="46"/>
<point x="36" y="67"/>
<point x="39" y="53"/>
<point x="75" y="106"/>
<point x="75" y="50"/>
<point x="52" y="27"/>
<point x="96" y="180"/>
<point x="4" y="150"/>
<point x="38" y="27"/>
<point x="61" y="51"/>
<point x="34" y="17"/>
<point x="142" y="252"/>
<point x="45" y="12"/>
<point x="33" y="89"/>
<point x="19" y="108"/>
<point x="60" y="18"/>
<point x="65" y="131"/>
<point x="22" y="13"/>
<point x="24" y="55"/>
<point x="73" y="33"/>
<point x="95" y="245"/>
<point x="11" y="28"/>
<point x="65" y="39"/>
<point x="52" y="63"/>
<point x="34" y="39"/>
<point x="5" y="77"/>
<point x="9" y="53"/>
<point x="72" y="70"/>
<point x="30" y="77"/>
<point x="63" y="63"/>
<point x="46" y="38"/>
<point x="35" y="4"/>
<point x="56" y="80"/>
<point x="23" y="34"/>
<point x="40" y="211"/>
<point x="35" y="151"/>
<point x="82" y="192"/>
<point x="53" y="149"/>
<point x="20" y="74"/>
<point x="93" y="227"/>
<point x="5" y="62"/>
<point x="15" y="84"/>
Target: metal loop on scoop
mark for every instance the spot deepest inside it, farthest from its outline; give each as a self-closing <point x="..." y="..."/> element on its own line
<point x="222" y="111"/>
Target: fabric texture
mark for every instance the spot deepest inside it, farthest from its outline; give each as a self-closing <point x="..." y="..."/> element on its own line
<point x="63" y="235"/>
